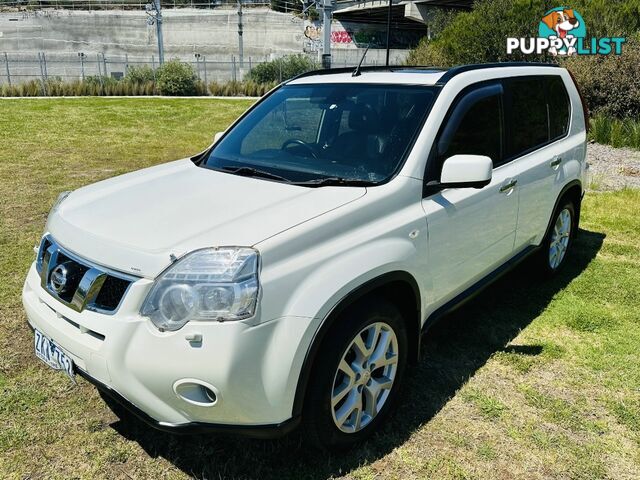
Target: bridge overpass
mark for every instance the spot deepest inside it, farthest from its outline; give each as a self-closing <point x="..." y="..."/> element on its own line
<point x="407" y="15"/>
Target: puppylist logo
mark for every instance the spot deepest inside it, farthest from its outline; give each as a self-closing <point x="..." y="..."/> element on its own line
<point x="562" y="31"/>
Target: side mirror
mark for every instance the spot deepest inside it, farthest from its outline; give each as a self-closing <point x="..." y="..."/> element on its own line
<point x="217" y="137"/>
<point x="466" y="171"/>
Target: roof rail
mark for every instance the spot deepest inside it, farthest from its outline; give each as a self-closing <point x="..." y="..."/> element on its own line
<point x="368" y="68"/>
<point x="452" y="72"/>
<point x="448" y="73"/>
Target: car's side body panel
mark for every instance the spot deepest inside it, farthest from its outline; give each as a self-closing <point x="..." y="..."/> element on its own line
<point x="471" y="232"/>
<point x="339" y="251"/>
<point x="541" y="180"/>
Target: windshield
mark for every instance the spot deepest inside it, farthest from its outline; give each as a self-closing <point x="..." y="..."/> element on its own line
<point x="326" y="134"/>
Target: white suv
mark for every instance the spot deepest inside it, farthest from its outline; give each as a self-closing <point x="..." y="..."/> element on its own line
<point x="286" y="274"/>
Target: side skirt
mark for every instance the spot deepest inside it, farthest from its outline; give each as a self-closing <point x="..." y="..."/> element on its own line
<point x="477" y="288"/>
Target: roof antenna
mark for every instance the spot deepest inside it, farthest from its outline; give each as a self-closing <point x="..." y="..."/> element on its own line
<point x="356" y="72"/>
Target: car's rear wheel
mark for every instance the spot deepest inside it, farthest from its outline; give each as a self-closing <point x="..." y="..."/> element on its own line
<point x="559" y="238"/>
<point x="357" y="376"/>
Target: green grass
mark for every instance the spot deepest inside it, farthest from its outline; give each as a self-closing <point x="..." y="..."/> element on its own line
<point x="531" y="380"/>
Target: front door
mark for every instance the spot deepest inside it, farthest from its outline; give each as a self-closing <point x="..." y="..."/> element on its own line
<point x="471" y="231"/>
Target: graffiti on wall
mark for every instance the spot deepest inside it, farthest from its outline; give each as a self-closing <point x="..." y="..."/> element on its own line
<point x="313" y="32"/>
<point x="358" y="35"/>
<point x="341" y="37"/>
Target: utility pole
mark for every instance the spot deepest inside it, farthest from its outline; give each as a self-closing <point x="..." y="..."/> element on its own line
<point x="389" y="10"/>
<point x="327" y="7"/>
<point x="6" y="64"/>
<point x="240" y="45"/>
<point x="154" y="10"/>
<point x="81" y="55"/>
<point x="197" y="55"/>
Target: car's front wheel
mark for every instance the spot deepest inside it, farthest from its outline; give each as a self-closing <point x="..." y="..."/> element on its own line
<point x="357" y="376"/>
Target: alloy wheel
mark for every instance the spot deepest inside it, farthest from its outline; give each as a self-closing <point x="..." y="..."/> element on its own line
<point x="364" y="378"/>
<point x="560" y="239"/>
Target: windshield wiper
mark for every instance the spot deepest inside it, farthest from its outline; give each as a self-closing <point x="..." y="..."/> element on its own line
<point x="254" y="172"/>
<point x="329" y="181"/>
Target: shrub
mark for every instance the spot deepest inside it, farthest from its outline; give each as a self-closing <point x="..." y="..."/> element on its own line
<point x="285" y="6"/>
<point x="281" y="69"/>
<point x="201" y="88"/>
<point x="32" y="88"/>
<point x="176" y="78"/>
<point x="140" y="75"/>
<point x="247" y="87"/>
<point x="615" y="132"/>
<point x="480" y="35"/>
<point x="98" y="86"/>
<point x="312" y="13"/>
<point x="610" y="84"/>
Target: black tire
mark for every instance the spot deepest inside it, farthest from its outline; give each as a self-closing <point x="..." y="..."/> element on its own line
<point x="319" y="424"/>
<point x="547" y="267"/>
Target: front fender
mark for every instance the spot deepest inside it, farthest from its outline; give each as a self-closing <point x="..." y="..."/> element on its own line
<point x="330" y="288"/>
<point x="333" y="280"/>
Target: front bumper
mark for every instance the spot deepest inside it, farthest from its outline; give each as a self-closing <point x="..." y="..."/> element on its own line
<point x="253" y="368"/>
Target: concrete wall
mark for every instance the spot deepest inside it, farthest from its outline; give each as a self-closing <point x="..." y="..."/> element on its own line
<point x="186" y="31"/>
<point x="116" y="39"/>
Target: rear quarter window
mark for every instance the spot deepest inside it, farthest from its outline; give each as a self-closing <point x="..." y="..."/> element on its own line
<point x="559" y="107"/>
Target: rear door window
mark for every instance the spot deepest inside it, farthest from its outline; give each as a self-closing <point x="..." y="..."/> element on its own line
<point x="527" y="115"/>
<point x="538" y="112"/>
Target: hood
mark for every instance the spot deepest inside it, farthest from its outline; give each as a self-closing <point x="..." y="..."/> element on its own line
<point x="133" y="223"/>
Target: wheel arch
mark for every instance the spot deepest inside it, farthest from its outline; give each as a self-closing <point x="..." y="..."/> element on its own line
<point x="571" y="191"/>
<point x="399" y="287"/>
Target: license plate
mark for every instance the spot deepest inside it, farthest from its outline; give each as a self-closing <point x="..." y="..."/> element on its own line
<point x="52" y="355"/>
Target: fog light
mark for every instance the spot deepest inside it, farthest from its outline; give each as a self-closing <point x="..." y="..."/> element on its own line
<point x="196" y="392"/>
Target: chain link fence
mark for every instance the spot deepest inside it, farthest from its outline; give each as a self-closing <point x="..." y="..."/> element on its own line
<point x="17" y="68"/>
<point x="20" y="67"/>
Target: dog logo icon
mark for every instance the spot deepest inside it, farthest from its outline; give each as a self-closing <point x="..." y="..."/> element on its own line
<point x="562" y="31"/>
<point x="564" y="24"/>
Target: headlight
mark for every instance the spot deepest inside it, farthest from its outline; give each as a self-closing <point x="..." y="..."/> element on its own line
<point x="210" y="284"/>
<point x="61" y="198"/>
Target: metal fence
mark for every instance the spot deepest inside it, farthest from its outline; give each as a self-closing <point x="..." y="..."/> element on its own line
<point x="16" y="68"/>
<point x="21" y="67"/>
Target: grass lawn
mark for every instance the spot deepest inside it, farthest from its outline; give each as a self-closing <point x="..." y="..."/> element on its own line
<point x="530" y="380"/>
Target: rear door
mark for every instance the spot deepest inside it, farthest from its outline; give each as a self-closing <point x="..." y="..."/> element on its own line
<point x="537" y="111"/>
<point x="471" y="231"/>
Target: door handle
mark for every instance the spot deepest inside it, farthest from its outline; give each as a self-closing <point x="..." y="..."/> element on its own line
<point x="555" y="163"/>
<point x="508" y="186"/>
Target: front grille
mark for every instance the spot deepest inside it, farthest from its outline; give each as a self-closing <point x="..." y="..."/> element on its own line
<point x="78" y="283"/>
<point x="111" y="293"/>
